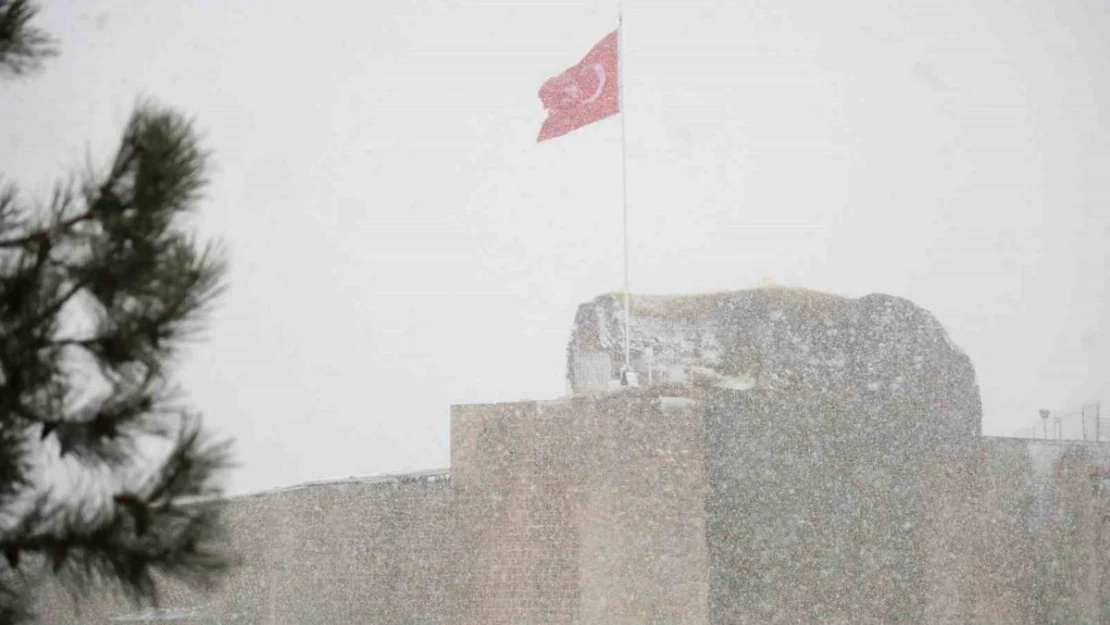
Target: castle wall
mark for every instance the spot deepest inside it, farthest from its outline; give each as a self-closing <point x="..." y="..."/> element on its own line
<point x="638" y="509"/>
<point x="514" y="495"/>
<point x="824" y="465"/>
<point x="585" y="511"/>
<point x="818" y="514"/>
<point x="814" y="508"/>
<point x="366" y="551"/>
<point x="1021" y="536"/>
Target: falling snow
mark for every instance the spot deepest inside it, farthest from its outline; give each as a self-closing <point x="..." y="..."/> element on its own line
<point x="795" y="458"/>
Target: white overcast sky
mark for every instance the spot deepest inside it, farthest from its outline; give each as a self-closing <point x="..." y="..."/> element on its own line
<point x="400" y="243"/>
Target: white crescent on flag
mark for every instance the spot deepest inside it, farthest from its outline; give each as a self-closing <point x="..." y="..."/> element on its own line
<point x="600" y="71"/>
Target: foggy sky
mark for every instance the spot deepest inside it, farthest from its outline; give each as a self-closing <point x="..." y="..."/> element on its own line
<point x="399" y="242"/>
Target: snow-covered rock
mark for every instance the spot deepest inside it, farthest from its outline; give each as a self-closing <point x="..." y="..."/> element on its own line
<point x="762" y="339"/>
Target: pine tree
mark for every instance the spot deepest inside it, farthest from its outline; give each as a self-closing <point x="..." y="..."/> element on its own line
<point x="22" y="46"/>
<point x="99" y="287"/>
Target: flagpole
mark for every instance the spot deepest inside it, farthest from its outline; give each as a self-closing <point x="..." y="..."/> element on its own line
<point x="624" y="183"/>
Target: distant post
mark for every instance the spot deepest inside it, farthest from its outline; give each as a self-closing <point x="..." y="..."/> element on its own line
<point x="1044" y="415"/>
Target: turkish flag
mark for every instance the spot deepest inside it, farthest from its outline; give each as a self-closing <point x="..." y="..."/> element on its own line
<point x="583" y="94"/>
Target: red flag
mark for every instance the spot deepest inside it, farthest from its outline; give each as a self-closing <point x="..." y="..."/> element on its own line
<point x="583" y="94"/>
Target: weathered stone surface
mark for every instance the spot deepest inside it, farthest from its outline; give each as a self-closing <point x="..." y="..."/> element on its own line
<point x="817" y="470"/>
<point x="878" y="347"/>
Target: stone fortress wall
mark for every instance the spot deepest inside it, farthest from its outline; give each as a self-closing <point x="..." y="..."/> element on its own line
<point x="805" y="459"/>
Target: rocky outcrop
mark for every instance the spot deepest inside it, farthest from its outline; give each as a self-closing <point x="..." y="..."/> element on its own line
<point x="876" y="350"/>
<point x="767" y="338"/>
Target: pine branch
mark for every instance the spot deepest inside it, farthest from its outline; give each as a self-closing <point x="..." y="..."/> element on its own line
<point x="13" y="466"/>
<point x="14" y="606"/>
<point x="111" y="545"/>
<point x="113" y="255"/>
<point x="151" y="529"/>
<point x="9" y="207"/>
<point x="46" y="234"/>
<point x="46" y="314"/>
<point x="102" y="433"/>
<point x="188" y="468"/>
<point x="23" y="47"/>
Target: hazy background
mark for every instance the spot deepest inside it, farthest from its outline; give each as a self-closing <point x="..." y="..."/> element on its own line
<point x="401" y="243"/>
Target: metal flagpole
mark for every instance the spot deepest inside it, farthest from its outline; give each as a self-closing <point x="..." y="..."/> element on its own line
<point x="624" y="186"/>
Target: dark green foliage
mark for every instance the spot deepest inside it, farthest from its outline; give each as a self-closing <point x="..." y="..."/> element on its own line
<point x="98" y="291"/>
<point x="22" y="46"/>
